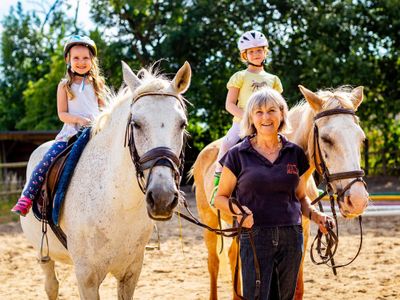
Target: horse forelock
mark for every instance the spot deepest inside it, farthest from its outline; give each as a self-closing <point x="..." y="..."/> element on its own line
<point x="336" y="98"/>
<point x="151" y="80"/>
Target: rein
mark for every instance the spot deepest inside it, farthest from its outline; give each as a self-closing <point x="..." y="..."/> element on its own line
<point x="327" y="250"/>
<point x="159" y="156"/>
<point x="234" y="232"/>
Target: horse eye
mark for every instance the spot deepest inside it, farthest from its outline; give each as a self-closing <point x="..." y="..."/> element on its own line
<point x="327" y="141"/>
<point x="136" y="125"/>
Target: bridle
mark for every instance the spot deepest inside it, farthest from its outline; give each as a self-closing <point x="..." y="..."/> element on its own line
<point x="159" y="156"/>
<point x="326" y="250"/>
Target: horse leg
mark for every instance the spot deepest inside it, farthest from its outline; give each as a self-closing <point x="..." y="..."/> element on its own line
<point x="89" y="279"/>
<point x="300" y="284"/>
<point x="127" y="282"/>
<point x="50" y="281"/>
<point x="213" y="262"/>
<point x="233" y="259"/>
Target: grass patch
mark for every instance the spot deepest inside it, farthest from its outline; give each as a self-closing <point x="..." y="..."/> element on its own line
<point x="5" y="206"/>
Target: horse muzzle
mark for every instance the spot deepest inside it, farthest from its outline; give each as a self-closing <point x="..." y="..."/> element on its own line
<point x="161" y="201"/>
<point x="354" y="201"/>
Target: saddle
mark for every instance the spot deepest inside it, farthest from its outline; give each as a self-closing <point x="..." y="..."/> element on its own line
<point x="44" y="203"/>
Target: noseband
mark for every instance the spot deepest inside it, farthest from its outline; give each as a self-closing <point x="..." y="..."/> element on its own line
<point x="326" y="250"/>
<point x="159" y="156"/>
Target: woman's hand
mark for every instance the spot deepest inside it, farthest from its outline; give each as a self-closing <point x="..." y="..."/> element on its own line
<point x="249" y="221"/>
<point x="323" y="221"/>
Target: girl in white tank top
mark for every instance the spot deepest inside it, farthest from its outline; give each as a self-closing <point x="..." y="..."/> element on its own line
<point x="80" y="95"/>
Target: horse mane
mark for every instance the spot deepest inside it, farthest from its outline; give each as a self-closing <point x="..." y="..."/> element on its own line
<point x="152" y="81"/>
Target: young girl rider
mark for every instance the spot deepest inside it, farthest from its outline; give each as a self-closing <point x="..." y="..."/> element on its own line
<point x="80" y="95"/>
<point x="253" y="47"/>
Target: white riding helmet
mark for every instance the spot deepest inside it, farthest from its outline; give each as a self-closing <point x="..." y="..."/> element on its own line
<point x="80" y="40"/>
<point x="252" y="39"/>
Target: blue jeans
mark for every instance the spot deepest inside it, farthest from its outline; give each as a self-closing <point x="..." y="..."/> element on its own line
<point x="279" y="251"/>
<point x="39" y="173"/>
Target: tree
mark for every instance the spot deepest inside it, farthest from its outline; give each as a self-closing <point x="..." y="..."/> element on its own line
<point x="22" y="60"/>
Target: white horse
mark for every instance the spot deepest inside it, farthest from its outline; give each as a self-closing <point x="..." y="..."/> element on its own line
<point x="340" y="138"/>
<point x="105" y="214"/>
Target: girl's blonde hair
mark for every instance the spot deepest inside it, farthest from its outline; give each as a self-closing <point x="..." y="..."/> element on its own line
<point x="261" y="99"/>
<point x="95" y="77"/>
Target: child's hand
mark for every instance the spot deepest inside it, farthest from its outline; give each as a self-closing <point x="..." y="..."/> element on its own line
<point x="84" y="121"/>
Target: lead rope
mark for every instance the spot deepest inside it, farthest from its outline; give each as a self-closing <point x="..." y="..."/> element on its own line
<point x="180" y="229"/>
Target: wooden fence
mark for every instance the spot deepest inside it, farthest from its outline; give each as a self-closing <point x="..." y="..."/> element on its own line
<point x="11" y="181"/>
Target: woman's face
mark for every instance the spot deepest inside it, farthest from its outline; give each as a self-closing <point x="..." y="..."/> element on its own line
<point x="267" y="119"/>
<point x="256" y="55"/>
<point x="80" y="59"/>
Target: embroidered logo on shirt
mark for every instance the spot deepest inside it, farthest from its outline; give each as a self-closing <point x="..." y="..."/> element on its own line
<point x="258" y="85"/>
<point x="292" y="169"/>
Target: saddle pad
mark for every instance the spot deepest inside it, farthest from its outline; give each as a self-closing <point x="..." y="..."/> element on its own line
<point x="67" y="173"/>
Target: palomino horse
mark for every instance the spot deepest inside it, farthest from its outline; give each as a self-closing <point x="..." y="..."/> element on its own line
<point x="340" y="139"/>
<point x="106" y="216"/>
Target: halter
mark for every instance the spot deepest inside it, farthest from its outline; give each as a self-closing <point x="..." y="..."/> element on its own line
<point x="159" y="156"/>
<point x="330" y="245"/>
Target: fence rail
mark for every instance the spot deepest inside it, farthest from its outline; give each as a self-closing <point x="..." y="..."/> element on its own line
<point x="10" y="183"/>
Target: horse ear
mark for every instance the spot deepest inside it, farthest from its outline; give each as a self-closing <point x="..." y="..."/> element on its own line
<point x="357" y="96"/>
<point x="129" y="77"/>
<point x="312" y="98"/>
<point x="181" y="81"/>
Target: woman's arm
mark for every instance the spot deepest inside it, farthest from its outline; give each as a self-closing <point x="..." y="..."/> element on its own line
<point x="307" y="209"/>
<point x="226" y="186"/>
<point x="231" y="100"/>
<point x="62" y="108"/>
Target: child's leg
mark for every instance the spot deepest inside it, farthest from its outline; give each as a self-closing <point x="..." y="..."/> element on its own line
<point x="231" y="138"/>
<point x="36" y="181"/>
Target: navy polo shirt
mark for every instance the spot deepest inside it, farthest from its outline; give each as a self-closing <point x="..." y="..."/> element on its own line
<point x="268" y="189"/>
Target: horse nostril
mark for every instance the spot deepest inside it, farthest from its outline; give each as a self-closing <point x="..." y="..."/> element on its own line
<point x="349" y="201"/>
<point x="175" y="201"/>
<point x="150" y="199"/>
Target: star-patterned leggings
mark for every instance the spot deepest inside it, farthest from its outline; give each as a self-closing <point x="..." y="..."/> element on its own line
<point x="36" y="181"/>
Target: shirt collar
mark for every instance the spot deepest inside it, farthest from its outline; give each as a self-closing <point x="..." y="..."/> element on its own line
<point x="246" y="144"/>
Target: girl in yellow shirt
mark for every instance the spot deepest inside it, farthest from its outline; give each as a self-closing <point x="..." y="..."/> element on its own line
<point x="253" y="47"/>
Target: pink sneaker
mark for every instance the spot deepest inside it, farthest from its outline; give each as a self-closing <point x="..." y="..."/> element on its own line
<point x="22" y="207"/>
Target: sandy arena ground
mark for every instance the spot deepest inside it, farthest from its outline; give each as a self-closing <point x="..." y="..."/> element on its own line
<point x="179" y="269"/>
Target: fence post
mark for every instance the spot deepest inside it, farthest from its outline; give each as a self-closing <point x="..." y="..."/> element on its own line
<point x="366" y="156"/>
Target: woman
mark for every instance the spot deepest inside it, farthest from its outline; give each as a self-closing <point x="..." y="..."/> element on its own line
<point x="267" y="173"/>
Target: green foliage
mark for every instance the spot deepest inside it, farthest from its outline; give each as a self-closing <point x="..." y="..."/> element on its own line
<point x="21" y="61"/>
<point x="40" y="99"/>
